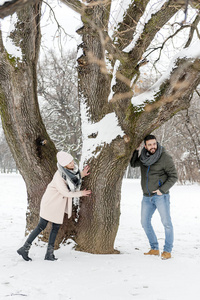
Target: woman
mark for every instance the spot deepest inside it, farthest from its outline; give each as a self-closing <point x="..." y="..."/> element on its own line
<point x="56" y="201"/>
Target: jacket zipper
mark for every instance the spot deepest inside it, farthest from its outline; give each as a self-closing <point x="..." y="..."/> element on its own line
<point x="148" y="180"/>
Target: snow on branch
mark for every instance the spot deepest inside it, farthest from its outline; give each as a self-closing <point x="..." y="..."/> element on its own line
<point x="152" y="8"/>
<point x="192" y="52"/>
<point x="117" y="12"/>
<point x="2" y="2"/>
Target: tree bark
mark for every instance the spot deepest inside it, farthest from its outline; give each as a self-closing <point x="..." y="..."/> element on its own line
<point x="22" y="123"/>
<point x="11" y="7"/>
<point x="99" y="215"/>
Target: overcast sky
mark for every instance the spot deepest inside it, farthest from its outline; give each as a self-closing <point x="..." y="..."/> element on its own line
<point x="68" y="19"/>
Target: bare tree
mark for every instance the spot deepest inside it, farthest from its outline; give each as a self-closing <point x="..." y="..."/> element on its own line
<point x="7" y="163"/>
<point x="180" y="135"/>
<point x="57" y="86"/>
<point x="108" y="69"/>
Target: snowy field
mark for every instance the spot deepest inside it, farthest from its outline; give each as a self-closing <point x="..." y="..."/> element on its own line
<point x="82" y="276"/>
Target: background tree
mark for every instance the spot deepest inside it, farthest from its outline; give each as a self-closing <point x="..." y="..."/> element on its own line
<point x="180" y="136"/>
<point x="114" y="118"/>
<point x="7" y="163"/>
<point x="57" y="88"/>
<point x="59" y="106"/>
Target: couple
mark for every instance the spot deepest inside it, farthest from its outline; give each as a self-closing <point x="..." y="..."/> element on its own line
<point x="158" y="175"/>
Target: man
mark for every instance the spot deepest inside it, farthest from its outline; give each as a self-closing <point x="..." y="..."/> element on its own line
<point x="158" y="175"/>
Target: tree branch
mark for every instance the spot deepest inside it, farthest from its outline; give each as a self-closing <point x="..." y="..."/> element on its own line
<point x="174" y="95"/>
<point x="8" y="8"/>
<point x="1" y="42"/>
<point x="157" y="21"/>
<point x="197" y="92"/>
<point x="127" y="27"/>
<point x="163" y="44"/>
<point x="195" y="4"/>
<point x="184" y="78"/>
<point x="76" y="5"/>
<point x="130" y="66"/>
<point x="192" y="30"/>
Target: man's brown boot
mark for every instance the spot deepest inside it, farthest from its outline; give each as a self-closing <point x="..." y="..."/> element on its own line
<point x="165" y="255"/>
<point x="153" y="252"/>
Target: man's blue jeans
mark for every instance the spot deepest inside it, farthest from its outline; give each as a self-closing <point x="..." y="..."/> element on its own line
<point x="149" y="205"/>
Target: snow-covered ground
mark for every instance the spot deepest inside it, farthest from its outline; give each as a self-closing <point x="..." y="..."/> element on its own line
<point x="83" y="276"/>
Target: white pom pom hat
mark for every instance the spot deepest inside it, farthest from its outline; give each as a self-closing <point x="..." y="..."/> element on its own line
<point x="64" y="158"/>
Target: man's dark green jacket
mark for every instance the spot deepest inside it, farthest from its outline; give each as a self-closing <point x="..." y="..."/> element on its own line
<point x="161" y="175"/>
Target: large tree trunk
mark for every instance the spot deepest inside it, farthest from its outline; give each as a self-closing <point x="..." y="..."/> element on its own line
<point x="22" y="123"/>
<point x="99" y="216"/>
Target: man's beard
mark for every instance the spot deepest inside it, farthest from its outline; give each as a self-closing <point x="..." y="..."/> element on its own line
<point x="149" y="151"/>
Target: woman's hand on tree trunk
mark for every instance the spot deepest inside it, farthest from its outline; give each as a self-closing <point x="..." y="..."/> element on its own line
<point x="85" y="171"/>
<point x="86" y="193"/>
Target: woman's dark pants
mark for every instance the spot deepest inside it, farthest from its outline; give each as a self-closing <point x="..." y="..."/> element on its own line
<point x="40" y="227"/>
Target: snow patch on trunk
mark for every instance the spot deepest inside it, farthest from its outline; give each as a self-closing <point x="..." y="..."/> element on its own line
<point x="7" y="26"/>
<point x="113" y="81"/>
<point x="97" y="134"/>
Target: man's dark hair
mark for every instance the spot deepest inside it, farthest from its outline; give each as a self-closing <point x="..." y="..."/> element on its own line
<point x="149" y="137"/>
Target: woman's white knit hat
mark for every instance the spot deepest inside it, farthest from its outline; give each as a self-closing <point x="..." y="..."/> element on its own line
<point x="64" y="158"/>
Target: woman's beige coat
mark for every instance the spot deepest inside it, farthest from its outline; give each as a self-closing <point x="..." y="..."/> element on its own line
<point x="57" y="200"/>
